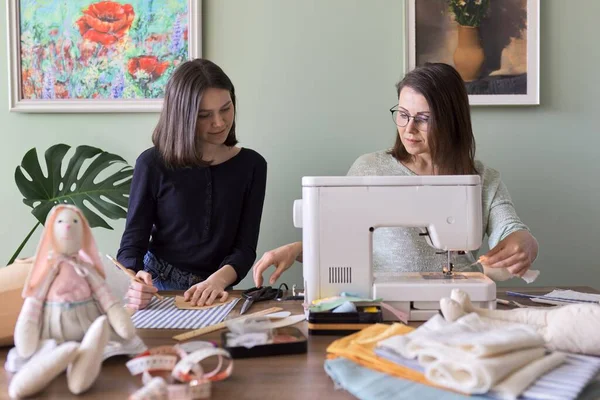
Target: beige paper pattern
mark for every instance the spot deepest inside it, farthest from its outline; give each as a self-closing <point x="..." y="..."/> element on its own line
<point x="185" y="305"/>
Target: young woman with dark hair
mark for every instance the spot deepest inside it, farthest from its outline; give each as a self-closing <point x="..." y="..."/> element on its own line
<point x="196" y="198"/>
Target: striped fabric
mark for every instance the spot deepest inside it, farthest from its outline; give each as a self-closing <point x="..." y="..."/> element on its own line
<point x="163" y="314"/>
<point x="566" y="381"/>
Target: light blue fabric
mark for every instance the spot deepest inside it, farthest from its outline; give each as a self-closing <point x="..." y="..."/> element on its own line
<point x="395" y="358"/>
<point x="367" y="384"/>
<point x="347" y="307"/>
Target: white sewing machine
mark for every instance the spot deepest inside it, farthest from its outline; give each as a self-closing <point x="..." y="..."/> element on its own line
<point x="338" y="216"/>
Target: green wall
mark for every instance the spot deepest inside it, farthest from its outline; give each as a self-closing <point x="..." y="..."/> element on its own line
<point x="315" y="80"/>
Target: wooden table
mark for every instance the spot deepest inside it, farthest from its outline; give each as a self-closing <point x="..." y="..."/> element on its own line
<point x="289" y="377"/>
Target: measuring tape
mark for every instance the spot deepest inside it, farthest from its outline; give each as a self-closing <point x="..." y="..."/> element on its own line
<point x="186" y="379"/>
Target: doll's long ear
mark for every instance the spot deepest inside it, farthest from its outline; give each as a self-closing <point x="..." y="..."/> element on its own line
<point x="530" y="316"/>
<point x="89" y="251"/>
<point x="41" y="265"/>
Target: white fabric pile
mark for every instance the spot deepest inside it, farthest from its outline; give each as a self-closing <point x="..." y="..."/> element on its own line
<point x="473" y="357"/>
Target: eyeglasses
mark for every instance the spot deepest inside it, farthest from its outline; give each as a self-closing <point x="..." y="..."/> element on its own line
<point x="402" y="118"/>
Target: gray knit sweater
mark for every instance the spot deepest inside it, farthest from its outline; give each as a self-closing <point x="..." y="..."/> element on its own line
<point x="402" y="249"/>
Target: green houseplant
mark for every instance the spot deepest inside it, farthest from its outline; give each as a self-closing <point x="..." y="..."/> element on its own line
<point x="469" y="12"/>
<point x="97" y="184"/>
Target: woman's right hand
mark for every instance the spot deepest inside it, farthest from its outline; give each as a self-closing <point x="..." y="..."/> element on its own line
<point x="139" y="295"/>
<point x="282" y="258"/>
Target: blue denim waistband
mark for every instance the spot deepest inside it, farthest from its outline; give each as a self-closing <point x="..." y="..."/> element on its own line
<point x="169" y="275"/>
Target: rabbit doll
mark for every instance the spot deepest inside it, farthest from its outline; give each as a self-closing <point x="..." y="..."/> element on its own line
<point x="68" y="301"/>
<point x="570" y="328"/>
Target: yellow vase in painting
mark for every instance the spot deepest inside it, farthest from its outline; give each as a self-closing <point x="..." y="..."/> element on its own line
<point x="468" y="56"/>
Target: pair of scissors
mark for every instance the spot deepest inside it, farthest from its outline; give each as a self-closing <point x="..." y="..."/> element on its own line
<point x="260" y="294"/>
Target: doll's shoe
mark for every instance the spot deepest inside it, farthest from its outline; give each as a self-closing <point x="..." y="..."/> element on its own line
<point x="41" y="370"/>
<point x="121" y="321"/>
<point x="84" y="370"/>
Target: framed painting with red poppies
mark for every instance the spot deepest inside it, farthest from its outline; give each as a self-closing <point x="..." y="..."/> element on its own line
<point x="98" y="56"/>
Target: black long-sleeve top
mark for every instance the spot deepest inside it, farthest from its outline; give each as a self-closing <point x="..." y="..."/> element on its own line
<point x="197" y="219"/>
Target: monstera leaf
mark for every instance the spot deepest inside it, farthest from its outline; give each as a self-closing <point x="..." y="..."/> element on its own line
<point x="78" y="186"/>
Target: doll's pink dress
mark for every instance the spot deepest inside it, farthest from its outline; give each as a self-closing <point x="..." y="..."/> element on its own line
<point x="69" y="309"/>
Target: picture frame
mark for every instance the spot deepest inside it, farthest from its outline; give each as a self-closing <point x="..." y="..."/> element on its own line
<point x="93" y="56"/>
<point x="508" y="40"/>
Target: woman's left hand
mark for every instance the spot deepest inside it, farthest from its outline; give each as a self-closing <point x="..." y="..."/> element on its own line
<point x="516" y="252"/>
<point x="205" y="293"/>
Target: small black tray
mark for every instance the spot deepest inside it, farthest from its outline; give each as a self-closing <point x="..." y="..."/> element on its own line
<point x="330" y="323"/>
<point x="298" y="346"/>
<point x="359" y="317"/>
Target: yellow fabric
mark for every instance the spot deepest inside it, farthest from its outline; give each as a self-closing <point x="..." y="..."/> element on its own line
<point x="359" y="347"/>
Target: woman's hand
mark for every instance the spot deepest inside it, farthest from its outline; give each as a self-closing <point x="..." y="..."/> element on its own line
<point x="516" y="252"/>
<point x="205" y="293"/>
<point x="282" y="258"/>
<point x="139" y="295"/>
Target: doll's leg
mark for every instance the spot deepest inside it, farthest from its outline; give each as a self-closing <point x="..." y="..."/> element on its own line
<point x="27" y="328"/>
<point x="41" y="370"/>
<point x="84" y="370"/>
<point x="531" y="315"/>
<point x="451" y="310"/>
<point x="463" y="299"/>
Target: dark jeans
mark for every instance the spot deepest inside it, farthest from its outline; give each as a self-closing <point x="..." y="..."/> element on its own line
<point x="167" y="277"/>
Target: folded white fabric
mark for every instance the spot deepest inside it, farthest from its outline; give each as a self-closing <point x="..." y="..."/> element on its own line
<point x="406" y="345"/>
<point x="470" y="355"/>
<point x="468" y="334"/>
<point x="511" y="387"/>
<point x="475" y="375"/>
<point x="502" y="274"/>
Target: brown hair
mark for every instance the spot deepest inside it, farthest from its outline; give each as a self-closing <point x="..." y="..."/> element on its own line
<point x="175" y="135"/>
<point x="451" y="139"/>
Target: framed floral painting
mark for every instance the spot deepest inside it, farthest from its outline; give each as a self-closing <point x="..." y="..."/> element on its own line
<point x="494" y="45"/>
<point x="97" y="56"/>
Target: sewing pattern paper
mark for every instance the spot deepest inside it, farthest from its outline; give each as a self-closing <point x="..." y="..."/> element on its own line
<point x="163" y="314"/>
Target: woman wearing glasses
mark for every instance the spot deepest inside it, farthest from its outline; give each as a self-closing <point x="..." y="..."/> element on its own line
<point x="434" y="138"/>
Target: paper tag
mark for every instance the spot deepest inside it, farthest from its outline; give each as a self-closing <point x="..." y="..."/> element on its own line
<point x="247" y="340"/>
<point x="574" y="295"/>
<point x="195" y="345"/>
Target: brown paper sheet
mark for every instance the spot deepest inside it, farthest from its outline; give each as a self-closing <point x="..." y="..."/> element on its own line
<point x="185" y="305"/>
